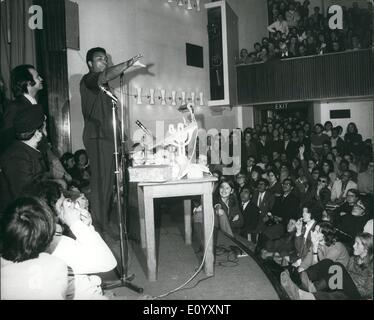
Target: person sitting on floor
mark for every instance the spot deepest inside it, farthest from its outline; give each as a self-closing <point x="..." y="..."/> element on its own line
<point x="353" y="223"/>
<point x="228" y="215"/>
<point x="282" y="250"/>
<point x="87" y="253"/>
<point x="303" y="239"/>
<point x="319" y="283"/>
<point x="27" y="272"/>
<point x="325" y="245"/>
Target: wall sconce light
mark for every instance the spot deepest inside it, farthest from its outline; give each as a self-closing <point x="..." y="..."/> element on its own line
<point x="183" y="98"/>
<point x="151" y="96"/>
<point x="201" y="98"/>
<point x="192" y="99"/>
<point x="189" y="5"/>
<point x="197" y="5"/>
<point x="138" y="95"/>
<point x="163" y="97"/>
<point x="173" y="98"/>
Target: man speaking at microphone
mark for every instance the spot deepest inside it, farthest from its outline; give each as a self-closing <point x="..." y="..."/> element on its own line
<point x="98" y="131"/>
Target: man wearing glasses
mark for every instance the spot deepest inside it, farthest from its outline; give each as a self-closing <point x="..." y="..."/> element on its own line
<point x="340" y="187"/>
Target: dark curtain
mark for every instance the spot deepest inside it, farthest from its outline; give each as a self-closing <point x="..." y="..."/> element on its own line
<point x="17" y="40"/>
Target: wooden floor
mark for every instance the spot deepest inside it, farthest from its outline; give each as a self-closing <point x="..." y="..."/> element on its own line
<point x="235" y="278"/>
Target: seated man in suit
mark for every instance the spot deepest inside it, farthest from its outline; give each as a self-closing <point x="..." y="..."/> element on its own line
<point x="22" y="163"/>
<point x="264" y="200"/>
<point x="26" y="83"/>
<point x="251" y="214"/>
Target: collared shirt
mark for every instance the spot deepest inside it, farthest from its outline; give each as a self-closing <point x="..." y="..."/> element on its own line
<point x="244" y="205"/>
<point x="261" y="196"/>
<point x="308" y="226"/>
<point x="30" y="98"/>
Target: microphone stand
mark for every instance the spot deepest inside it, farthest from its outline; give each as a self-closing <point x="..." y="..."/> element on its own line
<point x="125" y="280"/>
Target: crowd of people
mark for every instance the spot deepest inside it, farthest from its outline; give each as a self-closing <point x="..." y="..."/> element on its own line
<point x="49" y="246"/>
<point x="304" y="195"/>
<point x="296" y="30"/>
<point x="303" y="198"/>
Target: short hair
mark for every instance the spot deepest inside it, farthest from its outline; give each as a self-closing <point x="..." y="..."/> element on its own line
<point x="27" y="229"/>
<point x="292" y="184"/>
<point x="47" y="191"/>
<point x="355" y="192"/>
<point x="264" y="181"/>
<point x="78" y="153"/>
<point x="329" y="233"/>
<point x="229" y="182"/>
<point x="90" y="53"/>
<point x="20" y="77"/>
<point x="65" y="157"/>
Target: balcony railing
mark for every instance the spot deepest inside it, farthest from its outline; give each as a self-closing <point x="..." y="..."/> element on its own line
<point x="331" y="76"/>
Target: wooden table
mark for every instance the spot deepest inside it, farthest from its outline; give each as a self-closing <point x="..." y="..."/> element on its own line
<point x="180" y="188"/>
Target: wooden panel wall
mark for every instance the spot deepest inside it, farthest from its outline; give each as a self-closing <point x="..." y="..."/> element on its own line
<point x="348" y="74"/>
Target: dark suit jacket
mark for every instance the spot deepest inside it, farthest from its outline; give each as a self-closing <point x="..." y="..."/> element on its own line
<point x="263" y="149"/>
<point x="7" y="134"/>
<point x="20" y="165"/>
<point x="265" y="207"/>
<point x="287" y="208"/>
<point x="291" y="150"/>
<point x="251" y="215"/>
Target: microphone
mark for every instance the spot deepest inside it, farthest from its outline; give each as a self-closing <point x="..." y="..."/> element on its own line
<point x="139" y="64"/>
<point x="109" y="94"/>
<point x="145" y="130"/>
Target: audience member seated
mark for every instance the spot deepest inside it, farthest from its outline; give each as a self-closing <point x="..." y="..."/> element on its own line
<point x="87" y="253"/>
<point x="229" y="218"/>
<point x="282" y="250"/>
<point x="275" y="186"/>
<point x="356" y="278"/>
<point x="352" y="139"/>
<point x="251" y="215"/>
<point x="303" y="238"/>
<point x="27" y="272"/>
<point x="353" y="223"/>
<point x="341" y="186"/>
<point x="22" y="162"/>
<point x="325" y="245"/>
<point x="263" y="199"/>
<point x="366" y="180"/>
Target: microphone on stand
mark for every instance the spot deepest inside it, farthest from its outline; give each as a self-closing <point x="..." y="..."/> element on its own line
<point x="108" y="93"/>
<point x="145" y="130"/>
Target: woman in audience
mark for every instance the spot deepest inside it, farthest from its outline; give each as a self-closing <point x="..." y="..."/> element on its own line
<point x="228" y="214"/>
<point x="328" y="280"/>
<point x="254" y="177"/>
<point x="27" y="272"/>
<point x="327" y="168"/>
<point x="275" y="186"/>
<point x="352" y="139"/>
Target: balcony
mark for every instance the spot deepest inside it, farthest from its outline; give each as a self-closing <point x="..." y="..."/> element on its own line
<point x="349" y="74"/>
